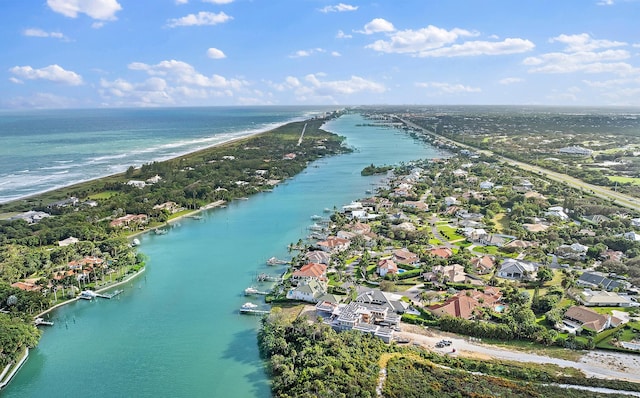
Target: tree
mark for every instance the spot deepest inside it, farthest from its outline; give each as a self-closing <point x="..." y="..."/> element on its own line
<point x="545" y="274"/>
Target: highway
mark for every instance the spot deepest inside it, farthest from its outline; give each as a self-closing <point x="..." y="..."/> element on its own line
<point x="602" y="192"/>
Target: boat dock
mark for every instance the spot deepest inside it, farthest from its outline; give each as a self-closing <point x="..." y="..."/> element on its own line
<point x="268" y="278"/>
<point x="90" y="295"/>
<point x="253" y="311"/>
<point x="109" y="295"/>
<point x="252" y="290"/>
<point x="276" y="261"/>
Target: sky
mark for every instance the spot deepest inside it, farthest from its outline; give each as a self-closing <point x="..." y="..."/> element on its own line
<point x="142" y="53"/>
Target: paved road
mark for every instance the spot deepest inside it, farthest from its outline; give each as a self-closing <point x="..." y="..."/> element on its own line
<point x="593" y="364"/>
<point x="602" y="192"/>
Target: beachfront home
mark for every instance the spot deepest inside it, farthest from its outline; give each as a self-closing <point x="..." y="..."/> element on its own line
<point x="31" y="217"/>
<point x="137" y="183"/>
<point x="517" y="269"/>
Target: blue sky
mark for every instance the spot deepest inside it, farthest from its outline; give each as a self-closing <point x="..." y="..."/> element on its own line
<point x="124" y="53"/>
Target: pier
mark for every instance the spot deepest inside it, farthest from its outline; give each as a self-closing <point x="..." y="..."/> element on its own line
<point x="252" y="290"/>
<point x="111" y="295"/>
<point x="276" y="261"/>
<point x="90" y="295"/>
<point x="268" y="278"/>
<point x="253" y="311"/>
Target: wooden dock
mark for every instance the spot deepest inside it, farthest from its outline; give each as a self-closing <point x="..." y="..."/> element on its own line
<point x="268" y="278"/>
<point x="109" y="296"/>
<point x="253" y="311"/>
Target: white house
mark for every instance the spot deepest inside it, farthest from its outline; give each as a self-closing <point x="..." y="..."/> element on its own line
<point x="387" y="266"/>
<point x="309" y="292"/>
<point x="516" y="269"/>
<point x="450" y="201"/>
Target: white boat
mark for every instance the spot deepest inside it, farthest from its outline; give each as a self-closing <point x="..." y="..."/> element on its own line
<point x="249" y="306"/>
<point x="316" y="217"/>
<point x="327" y="210"/>
<point x="316" y="227"/>
<point x="87" y="295"/>
<point x="135" y="242"/>
<point x="250" y="290"/>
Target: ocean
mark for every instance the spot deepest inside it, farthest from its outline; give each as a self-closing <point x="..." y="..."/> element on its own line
<point x="176" y="330"/>
<point x="46" y="149"/>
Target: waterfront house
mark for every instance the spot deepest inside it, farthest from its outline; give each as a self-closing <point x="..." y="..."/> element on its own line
<point x="308" y="272"/>
<point x="309" y="292"/>
<point x="31" y="217"/>
<point x="517" y="269"/>
<point x="137" y="183"/>
<point x="333" y="244"/>
<point x="318" y="256"/>
<point x="387" y="266"/>
<point x="129" y="220"/>
<point x="579" y="317"/>
<point x="153" y="180"/>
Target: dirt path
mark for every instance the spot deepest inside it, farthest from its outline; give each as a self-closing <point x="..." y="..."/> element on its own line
<point x="593" y="364"/>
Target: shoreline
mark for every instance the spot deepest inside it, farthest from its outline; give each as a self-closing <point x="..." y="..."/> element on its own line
<point x="102" y="289"/>
<point x="249" y="134"/>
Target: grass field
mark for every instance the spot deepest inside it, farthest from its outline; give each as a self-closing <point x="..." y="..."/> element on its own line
<point x="625" y="180"/>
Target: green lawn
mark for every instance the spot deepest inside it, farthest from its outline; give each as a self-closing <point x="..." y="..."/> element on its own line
<point x="103" y="195"/>
<point x="491" y="250"/>
<point x="449" y="232"/>
<point x="625" y="180"/>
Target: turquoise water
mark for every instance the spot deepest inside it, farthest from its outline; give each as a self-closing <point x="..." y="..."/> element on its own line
<point x="176" y="331"/>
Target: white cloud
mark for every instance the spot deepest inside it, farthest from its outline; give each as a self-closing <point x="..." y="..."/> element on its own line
<point x="15" y="80"/>
<point x="215" y="53"/>
<point x="103" y="10"/>
<point x="415" y="41"/>
<point x="35" y="32"/>
<point x="306" y="53"/>
<point x="218" y="1"/>
<point x="335" y="54"/>
<point x="182" y="2"/>
<point x="584" y="42"/>
<point x="201" y="18"/>
<point x="341" y="7"/>
<point x="377" y="25"/>
<point x="605" y="2"/>
<point x="342" y="35"/>
<point x="314" y="88"/>
<point x="97" y="25"/>
<point x="170" y="82"/>
<point x="475" y="48"/>
<point x="448" y="88"/>
<point x="510" y="80"/>
<point x="42" y="101"/>
<point x="54" y="73"/>
<point x="583" y="54"/>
